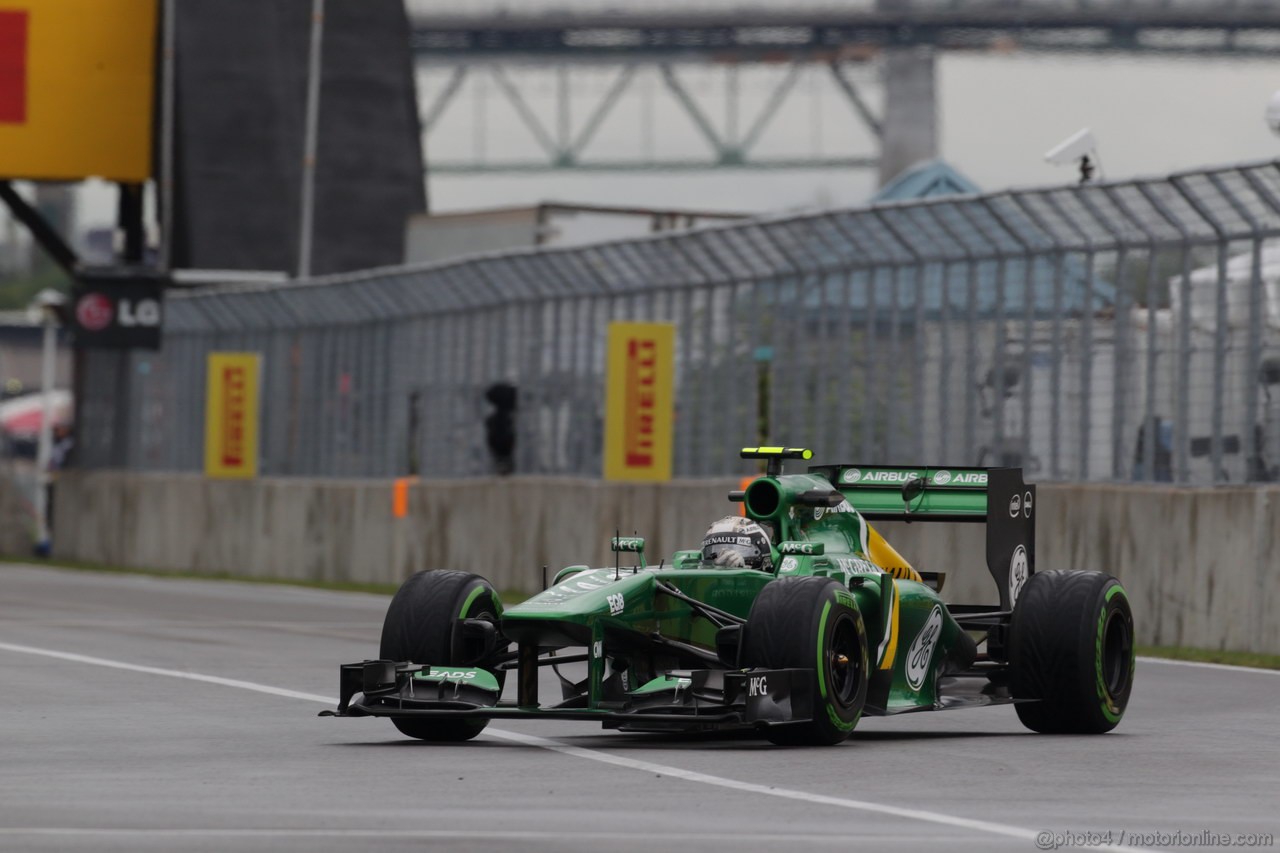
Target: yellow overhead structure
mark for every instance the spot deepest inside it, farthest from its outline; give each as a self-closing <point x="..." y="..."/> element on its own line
<point x="77" y="84"/>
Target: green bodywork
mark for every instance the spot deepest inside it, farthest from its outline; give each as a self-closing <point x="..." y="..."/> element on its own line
<point x="614" y="611"/>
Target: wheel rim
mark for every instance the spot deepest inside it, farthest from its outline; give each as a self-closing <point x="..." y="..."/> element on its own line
<point x="844" y="661"/>
<point x="1117" y="653"/>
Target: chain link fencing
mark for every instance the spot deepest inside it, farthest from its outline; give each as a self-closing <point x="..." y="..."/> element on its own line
<point x="1121" y="331"/>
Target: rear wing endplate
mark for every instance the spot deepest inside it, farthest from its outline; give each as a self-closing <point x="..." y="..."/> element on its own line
<point x="996" y="496"/>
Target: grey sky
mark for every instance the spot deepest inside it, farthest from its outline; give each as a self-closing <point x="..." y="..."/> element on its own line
<point x="999" y="114"/>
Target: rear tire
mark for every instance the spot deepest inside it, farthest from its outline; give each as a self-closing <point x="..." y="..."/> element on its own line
<point x="808" y="622"/>
<point x="1072" y="649"/>
<point x="419" y="627"/>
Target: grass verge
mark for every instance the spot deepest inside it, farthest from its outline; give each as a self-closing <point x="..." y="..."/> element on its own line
<point x="509" y="597"/>
<point x="345" y="586"/>
<point x="1252" y="659"/>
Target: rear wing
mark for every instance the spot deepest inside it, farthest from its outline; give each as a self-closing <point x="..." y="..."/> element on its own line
<point x="996" y="496"/>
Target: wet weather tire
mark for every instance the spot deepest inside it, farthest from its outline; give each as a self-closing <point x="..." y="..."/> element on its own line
<point x="419" y="627"/>
<point x="1071" y="647"/>
<point x="812" y="622"/>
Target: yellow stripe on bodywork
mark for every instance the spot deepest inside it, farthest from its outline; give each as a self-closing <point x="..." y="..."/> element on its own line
<point x="891" y="650"/>
<point x="886" y="556"/>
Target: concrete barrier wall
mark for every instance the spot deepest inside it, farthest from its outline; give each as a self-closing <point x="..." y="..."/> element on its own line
<point x="1200" y="564"/>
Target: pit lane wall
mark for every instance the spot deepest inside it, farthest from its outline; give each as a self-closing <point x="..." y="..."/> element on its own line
<point x="1201" y="565"/>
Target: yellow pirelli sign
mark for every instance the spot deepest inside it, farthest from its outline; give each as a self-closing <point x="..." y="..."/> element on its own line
<point x="639" y="401"/>
<point x="77" y="81"/>
<point x="231" y="415"/>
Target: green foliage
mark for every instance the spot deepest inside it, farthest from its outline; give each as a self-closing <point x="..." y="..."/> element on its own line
<point x="17" y="292"/>
<point x="509" y="597"/>
<point x="1254" y="659"/>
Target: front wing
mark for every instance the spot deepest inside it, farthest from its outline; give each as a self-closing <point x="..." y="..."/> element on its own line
<point x="700" y="699"/>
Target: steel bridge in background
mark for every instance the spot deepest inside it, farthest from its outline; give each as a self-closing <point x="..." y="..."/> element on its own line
<point x="852" y="53"/>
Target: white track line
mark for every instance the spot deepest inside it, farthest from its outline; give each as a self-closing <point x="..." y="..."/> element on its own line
<point x="988" y="827"/>
<point x="1257" y="670"/>
<point x="171" y="673"/>
<point x="840" y="839"/>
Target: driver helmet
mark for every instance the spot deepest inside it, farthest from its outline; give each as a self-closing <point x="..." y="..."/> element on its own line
<point x="737" y="542"/>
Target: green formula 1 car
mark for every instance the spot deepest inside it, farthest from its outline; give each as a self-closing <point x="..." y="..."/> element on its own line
<point x="837" y="626"/>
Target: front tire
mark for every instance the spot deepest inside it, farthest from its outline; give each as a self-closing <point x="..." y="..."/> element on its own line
<point x="419" y="627"/>
<point x="1072" y="649"/>
<point x="812" y="623"/>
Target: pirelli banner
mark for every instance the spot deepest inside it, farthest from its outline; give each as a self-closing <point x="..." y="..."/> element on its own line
<point x="77" y="80"/>
<point x="639" y="401"/>
<point x="231" y="415"/>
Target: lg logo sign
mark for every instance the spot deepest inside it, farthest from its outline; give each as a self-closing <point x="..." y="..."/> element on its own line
<point x="118" y="310"/>
<point x="95" y="312"/>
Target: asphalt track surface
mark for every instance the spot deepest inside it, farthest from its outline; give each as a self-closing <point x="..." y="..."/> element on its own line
<point x="146" y="714"/>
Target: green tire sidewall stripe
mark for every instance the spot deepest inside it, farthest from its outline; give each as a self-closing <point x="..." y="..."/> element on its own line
<point x="841" y="724"/>
<point x="822" y="633"/>
<point x="470" y="599"/>
<point x="1108" y="705"/>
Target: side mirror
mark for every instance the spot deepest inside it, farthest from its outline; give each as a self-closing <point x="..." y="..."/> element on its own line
<point x="913" y="489"/>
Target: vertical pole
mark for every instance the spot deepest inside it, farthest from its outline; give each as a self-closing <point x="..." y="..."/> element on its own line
<point x="48" y="361"/>
<point x="1219" y="363"/>
<point x="944" y="372"/>
<point x="1001" y="343"/>
<point x="1182" y="418"/>
<point x="844" y="439"/>
<point x="919" y="355"/>
<point x="910" y="126"/>
<point x="710" y="407"/>
<point x="731" y="106"/>
<point x="129" y="212"/>
<point x="894" y="389"/>
<point x="307" y="218"/>
<point x="1150" y="421"/>
<point x="1086" y="367"/>
<point x="1255" y="469"/>
<point x="870" y="406"/>
<point x="1055" y="369"/>
<point x="1120" y="366"/>
<point x="971" y="365"/>
<point x="564" y="137"/>
<point x="168" y="87"/>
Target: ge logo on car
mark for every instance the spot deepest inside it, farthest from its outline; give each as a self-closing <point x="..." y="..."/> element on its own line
<point x="921" y="651"/>
<point x="1017" y="573"/>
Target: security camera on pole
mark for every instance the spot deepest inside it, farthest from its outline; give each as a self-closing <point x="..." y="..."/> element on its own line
<point x="1080" y="147"/>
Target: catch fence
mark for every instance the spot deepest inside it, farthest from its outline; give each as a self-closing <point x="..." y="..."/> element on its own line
<point x="1118" y="331"/>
